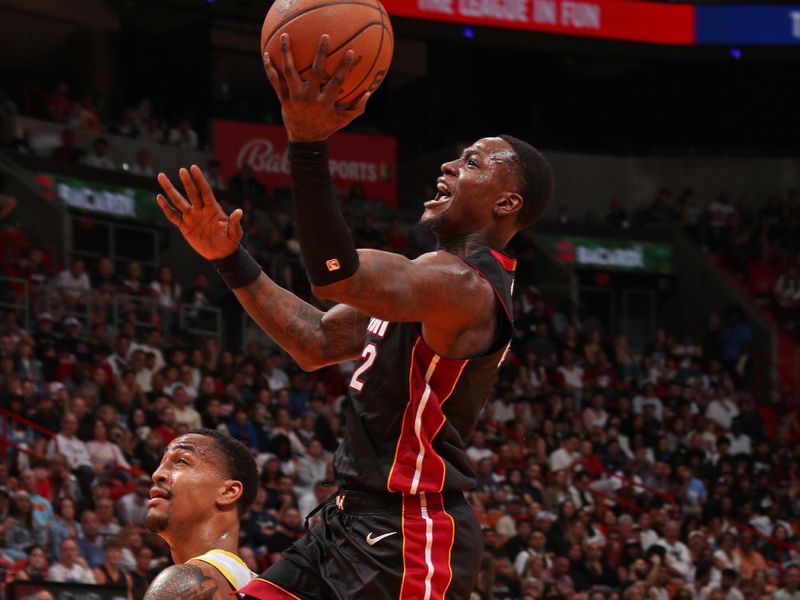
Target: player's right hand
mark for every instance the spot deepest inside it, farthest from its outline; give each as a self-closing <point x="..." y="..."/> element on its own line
<point x="200" y="219"/>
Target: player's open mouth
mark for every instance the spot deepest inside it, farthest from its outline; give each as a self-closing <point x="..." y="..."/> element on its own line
<point x="442" y="196"/>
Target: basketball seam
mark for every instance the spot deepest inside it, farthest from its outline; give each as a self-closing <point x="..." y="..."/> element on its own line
<point x="347" y="41"/>
<point x="377" y="55"/>
<point x="311" y="9"/>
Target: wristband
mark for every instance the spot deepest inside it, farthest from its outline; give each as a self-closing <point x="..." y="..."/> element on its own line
<point x="238" y="269"/>
<point x="328" y="252"/>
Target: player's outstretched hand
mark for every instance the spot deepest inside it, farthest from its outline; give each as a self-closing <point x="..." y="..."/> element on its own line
<point x="200" y="219"/>
<point x="309" y="107"/>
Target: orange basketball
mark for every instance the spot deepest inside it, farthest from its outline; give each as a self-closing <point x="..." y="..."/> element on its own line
<point x="362" y="26"/>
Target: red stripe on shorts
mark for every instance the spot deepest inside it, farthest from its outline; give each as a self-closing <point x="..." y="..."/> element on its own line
<point x="428" y="533"/>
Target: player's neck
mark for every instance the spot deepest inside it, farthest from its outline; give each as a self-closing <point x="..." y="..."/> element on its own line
<point x="463" y="245"/>
<point x="197" y="540"/>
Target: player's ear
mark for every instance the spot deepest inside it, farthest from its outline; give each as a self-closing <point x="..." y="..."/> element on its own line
<point x="230" y="492"/>
<point x="509" y="204"/>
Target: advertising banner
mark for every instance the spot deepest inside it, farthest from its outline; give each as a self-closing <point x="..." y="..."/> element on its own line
<point x="612" y="255"/>
<point x="743" y="24"/>
<point x="101" y="199"/>
<point x="634" y="21"/>
<point x="370" y="160"/>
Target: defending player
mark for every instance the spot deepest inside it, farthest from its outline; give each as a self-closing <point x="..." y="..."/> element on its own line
<point x="205" y="483"/>
<point x="430" y="334"/>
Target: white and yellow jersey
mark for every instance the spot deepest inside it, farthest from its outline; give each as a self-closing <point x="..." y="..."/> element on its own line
<point x="231" y="566"/>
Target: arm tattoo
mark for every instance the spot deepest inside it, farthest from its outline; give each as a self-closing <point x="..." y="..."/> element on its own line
<point x="182" y="582"/>
<point x="312" y="337"/>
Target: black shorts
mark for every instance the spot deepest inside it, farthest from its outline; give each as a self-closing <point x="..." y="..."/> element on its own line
<point x="380" y="547"/>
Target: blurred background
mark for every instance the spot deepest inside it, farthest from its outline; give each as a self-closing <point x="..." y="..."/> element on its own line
<point x="654" y="381"/>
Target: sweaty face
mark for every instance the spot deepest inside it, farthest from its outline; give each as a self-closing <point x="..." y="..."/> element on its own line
<point x="185" y="485"/>
<point x="468" y="189"/>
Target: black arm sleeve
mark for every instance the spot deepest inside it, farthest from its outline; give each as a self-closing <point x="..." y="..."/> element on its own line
<point x="328" y="251"/>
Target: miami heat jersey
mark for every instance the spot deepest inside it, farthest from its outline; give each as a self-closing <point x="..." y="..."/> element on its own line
<point x="411" y="412"/>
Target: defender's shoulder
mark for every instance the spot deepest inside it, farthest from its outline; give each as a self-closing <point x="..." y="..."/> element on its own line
<point x="189" y="581"/>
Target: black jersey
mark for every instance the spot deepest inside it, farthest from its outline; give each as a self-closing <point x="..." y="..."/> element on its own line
<point x="410" y="411"/>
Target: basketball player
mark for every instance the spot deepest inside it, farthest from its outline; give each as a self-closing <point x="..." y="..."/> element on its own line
<point x="429" y="333"/>
<point x="205" y="483"/>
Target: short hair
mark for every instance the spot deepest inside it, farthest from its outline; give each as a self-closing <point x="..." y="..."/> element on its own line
<point x="535" y="177"/>
<point x="238" y="464"/>
<point x="112" y="542"/>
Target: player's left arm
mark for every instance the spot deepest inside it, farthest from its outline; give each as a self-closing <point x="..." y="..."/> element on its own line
<point x="437" y="287"/>
<point x="189" y="581"/>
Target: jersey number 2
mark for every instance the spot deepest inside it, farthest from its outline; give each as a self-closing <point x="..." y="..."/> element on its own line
<point x="369" y="354"/>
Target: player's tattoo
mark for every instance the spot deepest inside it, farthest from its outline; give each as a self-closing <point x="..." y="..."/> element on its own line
<point x="182" y="582"/>
<point x="313" y="338"/>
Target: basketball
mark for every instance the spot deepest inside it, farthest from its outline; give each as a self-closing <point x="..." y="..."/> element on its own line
<point x="361" y="26"/>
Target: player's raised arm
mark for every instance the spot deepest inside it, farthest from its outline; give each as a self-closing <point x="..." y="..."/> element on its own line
<point x="312" y="337"/>
<point x="437" y="288"/>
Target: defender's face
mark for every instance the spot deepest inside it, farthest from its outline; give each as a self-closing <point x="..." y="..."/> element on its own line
<point x="469" y="188"/>
<point x="186" y="484"/>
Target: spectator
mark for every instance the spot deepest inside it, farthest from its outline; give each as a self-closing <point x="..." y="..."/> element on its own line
<point x="750" y="559"/>
<point x="105" y="455"/>
<point x="117" y="361"/>
<point x="83" y="114"/>
<point x="558" y="577"/>
<point x="66" y="151"/>
<point x="722" y="410"/>
<point x="59" y="104"/>
<point x="132" y="507"/>
<point x="70" y="568"/>
<point x="98" y="157"/>
<point x="312" y="467"/>
<point x="185" y="415"/>
<point x="143" y="574"/>
<point x="22" y="530"/>
<point x="110" y="573"/>
<point x="65" y="526"/>
<point x="148" y="454"/>
<point x="213" y="175"/>
<point x="678" y="559"/>
<point x="35" y="568"/>
<point x="128" y="126"/>
<point x="167" y="293"/>
<point x="183" y="136"/>
<point x="245" y="186"/>
<point x="167" y="427"/>
<point x="142" y="165"/>
<point x="91" y="544"/>
<point x="563" y="457"/>
<point x="276" y="378"/>
<point x="41" y="508"/>
<point x="791" y="584"/>
<point x="74" y="284"/>
<point x="75" y="451"/>
<point x="151" y="131"/>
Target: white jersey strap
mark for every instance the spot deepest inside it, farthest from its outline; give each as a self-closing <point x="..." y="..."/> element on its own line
<point x="231" y="566"/>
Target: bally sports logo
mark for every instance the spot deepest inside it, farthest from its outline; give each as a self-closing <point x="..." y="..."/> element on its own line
<point x="263" y="157"/>
<point x="260" y="154"/>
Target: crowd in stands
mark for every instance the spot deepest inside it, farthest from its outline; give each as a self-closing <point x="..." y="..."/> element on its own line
<point x="759" y="245"/>
<point x="603" y="471"/>
<point x="90" y="112"/>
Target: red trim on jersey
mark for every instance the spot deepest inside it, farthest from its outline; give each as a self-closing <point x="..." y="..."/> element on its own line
<point x="496" y="291"/>
<point x="509" y="264"/>
<point x="266" y="590"/>
<point x="417" y="467"/>
<point x="428" y="534"/>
